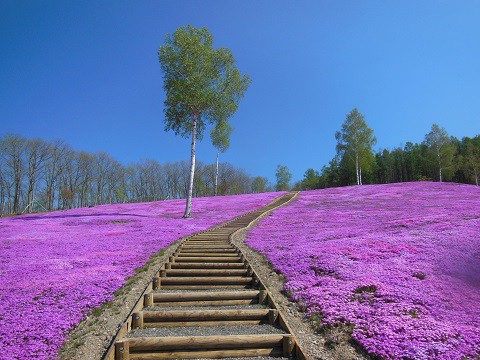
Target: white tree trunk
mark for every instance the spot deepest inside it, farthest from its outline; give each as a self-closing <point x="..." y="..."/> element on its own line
<point x="215" y="192"/>
<point x="476" y="176"/>
<point x="360" y="172"/>
<point x="356" y="169"/>
<point x="439" y="163"/>
<point x="188" y="207"/>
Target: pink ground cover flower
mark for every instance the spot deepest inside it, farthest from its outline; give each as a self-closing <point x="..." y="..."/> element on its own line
<point x="400" y="263"/>
<point x="55" y="267"/>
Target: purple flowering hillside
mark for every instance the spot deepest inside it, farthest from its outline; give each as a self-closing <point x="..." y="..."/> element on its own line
<point x="56" y="266"/>
<point x="398" y="263"/>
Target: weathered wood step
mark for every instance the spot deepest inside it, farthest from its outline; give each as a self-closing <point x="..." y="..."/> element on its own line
<point x="205" y="295"/>
<point x="208" y="259"/>
<point x="189" y="249"/>
<point x="203" y="265"/>
<point x="209" y="243"/>
<point x="190" y="347"/>
<point x="206" y="272"/>
<point x="191" y="287"/>
<point x="169" y="318"/>
<point x="207" y="280"/>
<point x="206" y="254"/>
<point x="208" y="246"/>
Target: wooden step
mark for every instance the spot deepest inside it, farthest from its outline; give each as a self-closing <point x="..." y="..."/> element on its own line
<point x="203" y="265"/>
<point x="206" y="272"/>
<point x="208" y="259"/>
<point x="190" y="249"/>
<point x="170" y="318"/>
<point x="191" y="347"/>
<point x="207" y="280"/>
<point x="209" y="243"/>
<point x="206" y="254"/>
<point x="206" y="246"/>
<point x="205" y="287"/>
<point x="205" y="296"/>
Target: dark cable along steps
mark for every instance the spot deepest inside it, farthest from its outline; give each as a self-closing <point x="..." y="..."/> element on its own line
<point x="207" y="302"/>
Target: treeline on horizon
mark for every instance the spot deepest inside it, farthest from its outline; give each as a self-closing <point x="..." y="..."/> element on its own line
<point x="39" y="175"/>
<point x="440" y="157"/>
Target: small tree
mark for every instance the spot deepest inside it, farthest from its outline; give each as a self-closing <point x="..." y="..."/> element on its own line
<point x="311" y="180"/>
<point x="355" y="141"/>
<point x="284" y="177"/>
<point x="220" y="135"/>
<point x="470" y="161"/>
<point x="259" y="184"/>
<point x="441" y="148"/>
<point x="203" y="86"/>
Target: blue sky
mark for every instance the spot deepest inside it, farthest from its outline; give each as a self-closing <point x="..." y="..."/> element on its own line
<point x="87" y="72"/>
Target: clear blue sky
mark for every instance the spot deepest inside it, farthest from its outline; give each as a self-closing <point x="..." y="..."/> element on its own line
<point x="87" y="72"/>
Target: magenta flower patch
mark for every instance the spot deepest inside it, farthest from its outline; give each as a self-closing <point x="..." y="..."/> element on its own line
<point x="399" y="262"/>
<point x="55" y="267"/>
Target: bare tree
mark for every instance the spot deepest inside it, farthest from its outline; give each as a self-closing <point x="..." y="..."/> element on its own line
<point x="12" y="149"/>
<point x="37" y="152"/>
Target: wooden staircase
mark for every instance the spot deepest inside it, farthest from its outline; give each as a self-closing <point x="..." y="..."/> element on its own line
<point x="207" y="286"/>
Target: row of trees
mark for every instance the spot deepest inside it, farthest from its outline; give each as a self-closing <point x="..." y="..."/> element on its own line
<point x="39" y="175"/>
<point x="439" y="157"/>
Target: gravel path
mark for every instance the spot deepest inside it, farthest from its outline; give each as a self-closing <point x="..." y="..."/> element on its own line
<point x="208" y="331"/>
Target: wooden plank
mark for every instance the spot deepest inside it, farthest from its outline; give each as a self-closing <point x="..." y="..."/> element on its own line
<point x="206" y="254"/>
<point x="204" y="315"/>
<point x="200" y="265"/>
<point x="224" y="295"/>
<point x="203" y="287"/>
<point x="212" y="249"/>
<point x="207" y="280"/>
<point x="209" y="259"/>
<point x="208" y="303"/>
<point x="205" y="342"/>
<point x="208" y="354"/>
<point x="206" y="272"/>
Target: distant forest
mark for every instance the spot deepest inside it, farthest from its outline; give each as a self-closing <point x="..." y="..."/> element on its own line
<point x="38" y="175"/>
<point x="439" y="157"/>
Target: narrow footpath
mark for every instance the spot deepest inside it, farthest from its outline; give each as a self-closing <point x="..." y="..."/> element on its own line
<point x="207" y="302"/>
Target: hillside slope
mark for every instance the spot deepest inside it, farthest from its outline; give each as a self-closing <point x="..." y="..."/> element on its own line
<point x="55" y="267"/>
<point x="397" y="264"/>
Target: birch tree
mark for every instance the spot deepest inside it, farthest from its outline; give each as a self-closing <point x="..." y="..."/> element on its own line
<point x="441" y="149"/>
<point x="12" y="150"/>
<point x="284" y="176"/>
<point x="220" y="135"/>
<point x="202" y="84"/>
<point x="355" y="141"/>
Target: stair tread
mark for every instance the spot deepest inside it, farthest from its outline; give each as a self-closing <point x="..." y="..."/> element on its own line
<point x="263" y="329"/>
<point x="221" y="307"/>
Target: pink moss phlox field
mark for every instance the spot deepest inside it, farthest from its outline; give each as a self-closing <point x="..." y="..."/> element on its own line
<point x="398" y="263"/>
<point x="55" y="267"/>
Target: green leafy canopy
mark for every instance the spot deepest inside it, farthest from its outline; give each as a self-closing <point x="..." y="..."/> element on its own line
<point x="202" y="83"/>
<point x="220" y="135"/>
